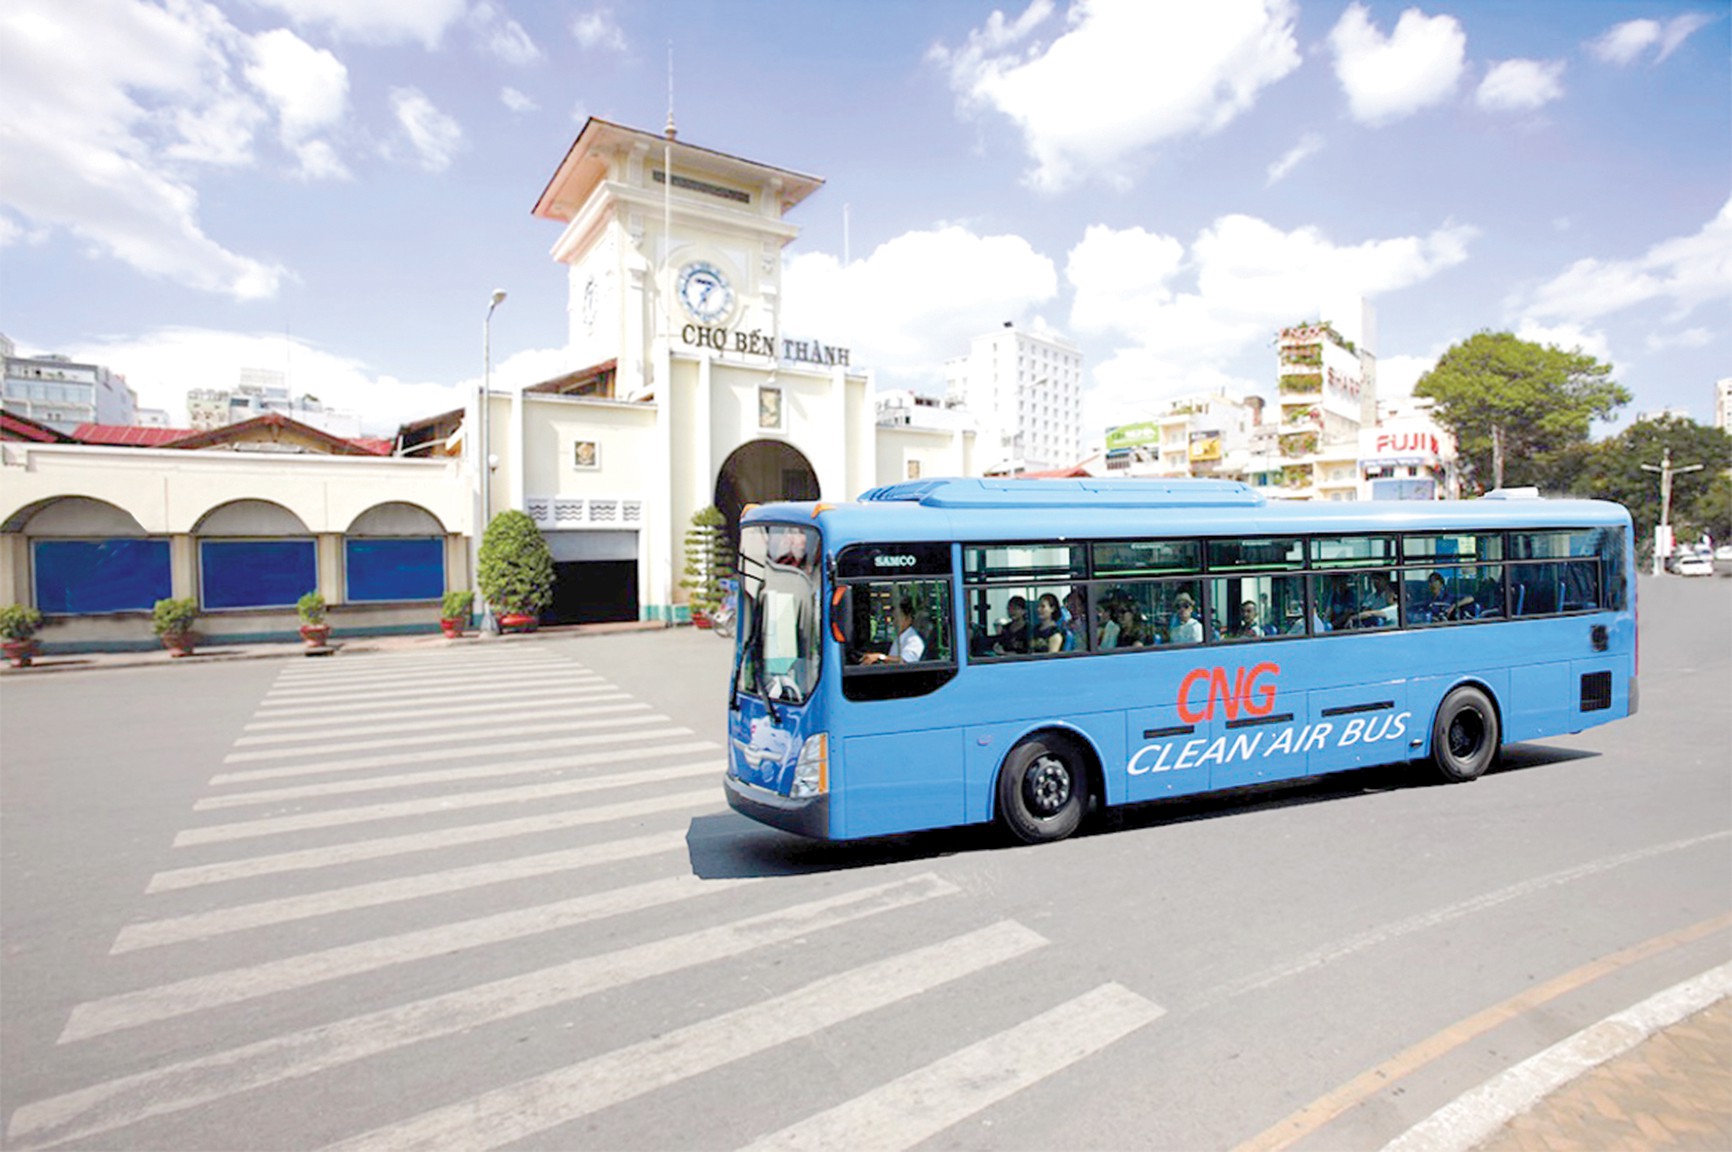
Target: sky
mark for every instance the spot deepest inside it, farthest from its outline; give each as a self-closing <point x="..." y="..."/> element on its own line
<point x="333" y="188"/>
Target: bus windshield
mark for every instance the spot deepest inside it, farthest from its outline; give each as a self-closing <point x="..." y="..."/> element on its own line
<point x="778" y="652"/>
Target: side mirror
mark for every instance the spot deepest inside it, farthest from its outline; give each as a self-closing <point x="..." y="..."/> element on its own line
<point x="842" y="615"/>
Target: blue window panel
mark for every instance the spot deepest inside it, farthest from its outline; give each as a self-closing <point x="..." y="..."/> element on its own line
<point x="395" y="569"/>
<point x="83" y="576"/>
<point x="257" y="573"/>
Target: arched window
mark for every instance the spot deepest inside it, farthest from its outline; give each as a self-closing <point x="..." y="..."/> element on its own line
<point x="394" y="552"/>
<point x="255" y="554"/>
<point x="87" y="557"/>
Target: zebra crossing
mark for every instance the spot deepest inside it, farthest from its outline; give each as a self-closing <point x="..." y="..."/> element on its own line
<point x="377" y="889"/>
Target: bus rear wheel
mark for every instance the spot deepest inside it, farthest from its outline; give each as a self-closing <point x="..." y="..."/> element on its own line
<point x="1464" y="737"/>
<point x="1042" y="790"/>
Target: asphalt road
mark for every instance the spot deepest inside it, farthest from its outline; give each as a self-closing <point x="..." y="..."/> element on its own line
<point x="489" y="895"/>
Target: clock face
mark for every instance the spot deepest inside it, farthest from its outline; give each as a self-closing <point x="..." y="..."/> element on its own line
<point x="705" y="292"/>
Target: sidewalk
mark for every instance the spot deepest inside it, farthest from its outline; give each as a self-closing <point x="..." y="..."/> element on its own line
<point x="1674" y="1090"/>
<point x="296" y="650"/>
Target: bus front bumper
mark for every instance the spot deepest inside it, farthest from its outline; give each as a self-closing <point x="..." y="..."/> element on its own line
<point x="809" y="816"/>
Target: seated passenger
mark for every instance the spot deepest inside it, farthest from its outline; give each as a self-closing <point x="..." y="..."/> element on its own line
<point x="1250" y="623"/>
<point x="1186" y="628"/>
<point x="1012" y="637"/>
<point x="1048" y="632"/>
<point x="909" y="646"/>
<point x="1380" y="610"/>
<point x="1440" y="605"/>
<point x="1130" y="630"/>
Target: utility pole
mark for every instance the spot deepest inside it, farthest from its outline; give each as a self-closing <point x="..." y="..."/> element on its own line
<point x="1663" y="530"/>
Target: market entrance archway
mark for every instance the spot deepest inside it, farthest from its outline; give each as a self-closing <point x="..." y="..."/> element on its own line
<point x="759" y="472"/>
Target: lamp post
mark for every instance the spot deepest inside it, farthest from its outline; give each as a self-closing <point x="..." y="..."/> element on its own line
<point x="486" y="448"/>
<point x="1663" y="530"/>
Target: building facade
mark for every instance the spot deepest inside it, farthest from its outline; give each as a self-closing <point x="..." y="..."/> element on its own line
<point x="62" y="394"/>
<point x="1024" y="390"/>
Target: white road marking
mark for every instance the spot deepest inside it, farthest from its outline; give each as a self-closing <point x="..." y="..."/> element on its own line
<point x="495" y="702"/>
<point x="184" y="1084"/>
<point x="1471" y="1119"/>
<point x="336" y="694"/>
<point x="925" y="1102"/>
<point x="617" y="716"/>
<point x="450" y="776"/>
<point x="521" y="1110"/>
<point x="451" y="802"/>
<point x="382" y="664"/>
<point x="262" y="913"/>
<point x="446" y="716"/>
<point x="387" y="846"/>
<point x="498" y="753"/>
<point x="148" y="1005"/>
<point x="1322" y="956"/>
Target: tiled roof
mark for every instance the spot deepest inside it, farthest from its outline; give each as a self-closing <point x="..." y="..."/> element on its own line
<point x="128" y="435"/>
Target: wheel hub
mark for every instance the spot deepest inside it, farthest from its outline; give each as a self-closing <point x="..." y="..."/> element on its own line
<point x="1048" y="784"/>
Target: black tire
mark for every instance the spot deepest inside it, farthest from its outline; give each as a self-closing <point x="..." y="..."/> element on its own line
<point x="1465" y="736"/>
<point x="1043" y="790"/>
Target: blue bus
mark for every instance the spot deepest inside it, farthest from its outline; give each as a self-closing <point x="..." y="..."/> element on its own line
<point x="951" y="652"/>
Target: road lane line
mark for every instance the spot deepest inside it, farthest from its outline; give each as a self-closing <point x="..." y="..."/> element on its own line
<point x="285" y="909"/>
<point x="175" y="1087"/>
<point x="443" y="717"/>
<point x="498" y="752"/>
<point x="920" y="1105"/>
<point x="518" y="1111"/>
<point x="1469" y="1120"/>
<point x="1311" y="1118"/>
<point x="234" y="985"/>
<point x="451" y="802"/>
<point x="1322" y="956"/>
<point x="387" y="846"/>
<point x="438" y="776"/>
<point x="379" y="664"/>
<point x="302" y="697"/>
<point x="612" y="718"/>
<point x="500" y="700"/>
<point x="417" y="671"/>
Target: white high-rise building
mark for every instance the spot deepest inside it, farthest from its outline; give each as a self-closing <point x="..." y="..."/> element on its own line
<point x="1723" y="404"/>
<point x="1024" y="390"/>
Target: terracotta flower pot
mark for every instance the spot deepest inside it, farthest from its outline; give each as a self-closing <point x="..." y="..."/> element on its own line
<point x="316" y="635"/>
<point x="20" y="652"/>
<point x="178" y="643"/>
<point x="453" y="629"/>
<point x="518" y="622"/>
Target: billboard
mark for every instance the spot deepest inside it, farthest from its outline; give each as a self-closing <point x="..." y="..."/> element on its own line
<point x="1205" y="446"/>
<point x="1133" y="435"/>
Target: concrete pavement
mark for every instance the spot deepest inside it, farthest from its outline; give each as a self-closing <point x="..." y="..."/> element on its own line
<point x="1660" y="1083"/>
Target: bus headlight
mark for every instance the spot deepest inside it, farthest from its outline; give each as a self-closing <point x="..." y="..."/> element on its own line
<point x="812" y="771"/>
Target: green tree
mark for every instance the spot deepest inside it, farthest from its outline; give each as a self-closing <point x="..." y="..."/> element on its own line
<point x="516" y="567"/>
<point x="1516" y="408"/>
<point x="1701" y="501"/>
<point x="709" y="560"/>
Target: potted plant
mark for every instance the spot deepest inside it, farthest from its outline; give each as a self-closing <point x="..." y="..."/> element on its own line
<point x="311" y="609"/>
<point x="18" y="625"/>
<point x="454" y="612"/>
<point x="172" y="620"/>
<point x="515" y="570"/>
<point x="709" y="561"/>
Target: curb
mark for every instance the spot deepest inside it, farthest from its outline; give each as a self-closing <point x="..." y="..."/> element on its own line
<point x="1478" y="1115"/>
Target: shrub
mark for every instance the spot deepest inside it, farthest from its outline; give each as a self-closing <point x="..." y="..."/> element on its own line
<point x="18" y="622"/>
<point x="457" y="604"/>
<point x="516" y="568"/>
<point x="709" y="560"/>
<point x="174" y="617"/>
<point x="311" y="608"/>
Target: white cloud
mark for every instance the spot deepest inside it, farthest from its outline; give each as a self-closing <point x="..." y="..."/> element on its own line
<point x="307" y="86"/>
<point x="917" y="300"/>
<point x="1388" y="78"/>
<point x="375" y="21"/>
<point x="1120" y="77"/>
<point x="503" y="37"/>
<point x="1568" y="337"/>
<point x="1181" y="316"/>
<point x="1309" y="145"/>
<point x="1396" y="375"/>
<point x="1520" y="85"/>
<point x="1688" y="338"/>
<point x="598" y="29"/>
<point x="435" y="136"/>
<point x="1685" y="272"/>
<point x="101" y="149"/>
<point x="517" y="101"/>
<point x="163" y="365"/>
<point x="1623" y="43"/>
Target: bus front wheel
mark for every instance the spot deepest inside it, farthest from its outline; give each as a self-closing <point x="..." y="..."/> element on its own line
<point x="1464" y="737"/>
<point x="1042" y="790"/>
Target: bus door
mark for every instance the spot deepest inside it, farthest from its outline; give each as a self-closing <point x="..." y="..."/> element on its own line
<point x="892" y="626"/>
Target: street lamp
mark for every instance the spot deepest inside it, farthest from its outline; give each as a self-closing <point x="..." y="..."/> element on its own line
<point x="1663" y="530"/>
<point x="486" y="446"/>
